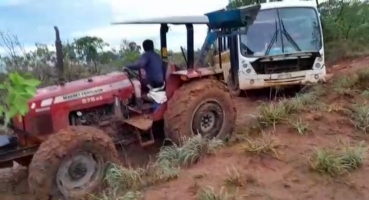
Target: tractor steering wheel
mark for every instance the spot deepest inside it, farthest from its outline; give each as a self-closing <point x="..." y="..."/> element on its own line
<point x="131" y="73"/>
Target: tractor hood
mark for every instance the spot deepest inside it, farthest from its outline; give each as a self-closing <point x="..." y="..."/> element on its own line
<point x="75" y="86"/>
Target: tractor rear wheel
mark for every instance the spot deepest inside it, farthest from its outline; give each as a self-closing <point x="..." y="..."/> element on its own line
<point x="200" y="107"/>
<point x="71" y="163"/>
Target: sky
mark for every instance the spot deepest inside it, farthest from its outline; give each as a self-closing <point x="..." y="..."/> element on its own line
<point x="32" y="21"/>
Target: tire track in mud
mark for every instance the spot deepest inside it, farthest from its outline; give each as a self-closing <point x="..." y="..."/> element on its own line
<point x="13" y="183"/>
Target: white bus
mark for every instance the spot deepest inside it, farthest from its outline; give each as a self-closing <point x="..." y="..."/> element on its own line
<point x="284" y="46"/>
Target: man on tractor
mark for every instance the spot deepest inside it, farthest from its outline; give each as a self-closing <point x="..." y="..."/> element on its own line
<point x="152" y="63"/>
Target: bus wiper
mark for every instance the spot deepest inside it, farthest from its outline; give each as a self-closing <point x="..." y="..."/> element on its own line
<point x="289" y="38"/>
<point x="274" y="39"/>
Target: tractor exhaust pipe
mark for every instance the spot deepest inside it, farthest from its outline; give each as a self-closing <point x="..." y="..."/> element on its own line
<point x="59" y="57"/>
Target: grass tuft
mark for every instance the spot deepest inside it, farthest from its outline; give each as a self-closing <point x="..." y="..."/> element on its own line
<point x="271" y="113"/>
<point x="161" y="172"/>
<point x="124" y="178"/>
<point x="360" y="117"/>
<point x="111" y="194"/>
<point x="191" y="150"/>
<point x="338" y="161"/>
<point x="209" y="193"/>
<point x="234" y="177"/>
<point x="265" y="145"/>
<point x="344" y="84"/>
<point x="300" y="126"/>
<point x="304" y="99"/>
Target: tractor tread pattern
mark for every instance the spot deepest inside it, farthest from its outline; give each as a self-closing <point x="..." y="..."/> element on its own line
<point x="45" y="162"/>
<point x="181" y="106"/>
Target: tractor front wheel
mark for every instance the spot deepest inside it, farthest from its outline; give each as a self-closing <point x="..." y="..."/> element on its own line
<point x="71" y="163"/>
<point x="200" y="107"/>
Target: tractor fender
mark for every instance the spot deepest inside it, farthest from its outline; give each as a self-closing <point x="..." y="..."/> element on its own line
<point x="198" y="72"/>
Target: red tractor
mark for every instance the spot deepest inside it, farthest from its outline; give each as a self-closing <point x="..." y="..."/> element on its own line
<point x="68" y="137"/>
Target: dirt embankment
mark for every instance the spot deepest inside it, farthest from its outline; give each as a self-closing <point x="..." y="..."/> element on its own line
<point x="282" y="168"/>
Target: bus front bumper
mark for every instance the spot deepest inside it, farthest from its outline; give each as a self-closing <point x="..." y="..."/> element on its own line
<point x="282" y="79"/>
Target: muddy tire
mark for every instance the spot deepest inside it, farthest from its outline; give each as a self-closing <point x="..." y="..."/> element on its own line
<point x="233" y="89"/>
<point x="200" y="107"/>
<point x="76" y="157"/>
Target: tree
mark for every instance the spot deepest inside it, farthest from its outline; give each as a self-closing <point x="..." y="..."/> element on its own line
<point x="238" y="3"/>
<point x="88" y="48"/>
<point x="345" y="28"/>
<point x="129" y="51"/>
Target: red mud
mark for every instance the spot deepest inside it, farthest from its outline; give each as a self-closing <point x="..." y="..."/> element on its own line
<point x="265" y="177"/>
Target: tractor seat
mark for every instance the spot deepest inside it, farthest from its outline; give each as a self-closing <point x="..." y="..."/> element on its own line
<point x="162" y="88"/>
<point x="158" y="94"/>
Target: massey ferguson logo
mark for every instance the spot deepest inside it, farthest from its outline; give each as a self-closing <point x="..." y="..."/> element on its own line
<point x="82" y="94"/>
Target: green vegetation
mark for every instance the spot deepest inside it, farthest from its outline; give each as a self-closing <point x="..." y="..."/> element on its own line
<point x="264" y="145"/>
<point x="360" y="117"/>
<point x="338" y="160"/>
<point x="271" y="114"/>
<point x="15" y="93"/>
<point x="84" y="57"/>
<point x="210" y="194"/>
<point x="123" y="181"/>
<point x="300" y="126"/>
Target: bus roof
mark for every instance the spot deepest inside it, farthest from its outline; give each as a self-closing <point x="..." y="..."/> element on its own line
<point x="287" y="4"/>
<point x="199" y="19"/>
<point x="203" y="19"/>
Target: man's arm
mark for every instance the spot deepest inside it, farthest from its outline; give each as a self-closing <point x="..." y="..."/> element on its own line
<point x="142" y="61"/>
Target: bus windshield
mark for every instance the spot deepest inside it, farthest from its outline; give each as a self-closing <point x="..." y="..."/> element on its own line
<point x="284" y="30"/>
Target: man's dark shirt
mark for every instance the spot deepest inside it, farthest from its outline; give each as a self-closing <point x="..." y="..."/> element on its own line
<point x="152" y="63"/>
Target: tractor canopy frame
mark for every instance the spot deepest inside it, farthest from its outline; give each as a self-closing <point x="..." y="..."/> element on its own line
<point x="190" y="43"/>
<point x="221" y="23"/>
<point x="188" y="21"/>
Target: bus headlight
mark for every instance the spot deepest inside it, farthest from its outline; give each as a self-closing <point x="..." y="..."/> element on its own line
<point x="318" y="65"/>
<point x="248" y="70"/>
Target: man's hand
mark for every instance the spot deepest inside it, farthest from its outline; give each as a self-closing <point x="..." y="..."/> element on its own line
<point x="131" y="72"/>
<point x="127" y="69"/>
<point x="142" y="61"/>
